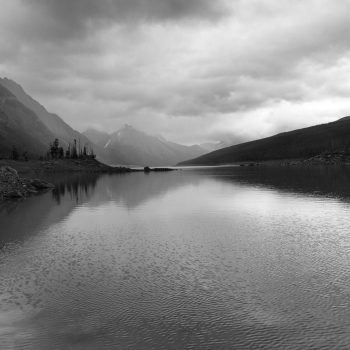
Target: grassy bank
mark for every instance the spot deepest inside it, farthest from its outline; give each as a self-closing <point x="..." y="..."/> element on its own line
<point x="27" y="168"/>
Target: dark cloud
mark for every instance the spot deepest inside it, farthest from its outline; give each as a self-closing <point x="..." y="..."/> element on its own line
<point x="70" y="18"/>
<point x="134" y="9"/>
<point x="258" y="65"/>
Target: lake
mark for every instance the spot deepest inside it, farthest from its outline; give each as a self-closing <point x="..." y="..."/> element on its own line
<point x="208" y="258"/>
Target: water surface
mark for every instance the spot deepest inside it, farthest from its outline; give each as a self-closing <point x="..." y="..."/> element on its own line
<point x="217" y="258"/>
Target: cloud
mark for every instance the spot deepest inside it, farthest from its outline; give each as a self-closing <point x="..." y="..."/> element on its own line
<point x="191" y="70"/>
<point x="67" y="19"/>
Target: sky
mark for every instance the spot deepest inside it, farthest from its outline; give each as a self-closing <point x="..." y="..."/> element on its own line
<point x="191" y="70"/>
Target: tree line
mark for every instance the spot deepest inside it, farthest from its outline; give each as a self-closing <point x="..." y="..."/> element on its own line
<point x="74" y="151"/>
<point x="56" y="151"/>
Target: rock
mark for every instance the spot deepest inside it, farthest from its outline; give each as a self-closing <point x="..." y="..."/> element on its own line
<point x="14" y="187"/>
<point x="40" y="184"/>
<point x="13" y="194"/>
<point x="31" y="190"/>
<point x="7" y="171"/>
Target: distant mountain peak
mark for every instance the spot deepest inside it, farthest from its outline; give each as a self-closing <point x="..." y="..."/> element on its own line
<point x="130" y="146"/>
<point x="128" y="131"/>
<point x="125" y="127"/>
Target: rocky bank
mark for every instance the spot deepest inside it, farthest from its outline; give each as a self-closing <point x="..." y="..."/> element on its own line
<point x="14" y="187"/>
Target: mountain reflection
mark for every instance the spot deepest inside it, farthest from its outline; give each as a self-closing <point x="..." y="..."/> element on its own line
<point x="130" y="190"/>
<point x="20" y="220"/>
<point x="38" y="212"/>
<point x="134" y="189"/>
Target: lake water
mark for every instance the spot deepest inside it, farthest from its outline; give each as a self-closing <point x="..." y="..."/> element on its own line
<point x="224" y="258"/>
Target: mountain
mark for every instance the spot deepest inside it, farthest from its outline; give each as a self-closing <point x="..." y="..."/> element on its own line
<point x="21" y="127"/>
<point x="99" y="138"/>
<point x="53" y="122"/>
<point x="130" y="146"/>
<point x="213" y="146"/>
<point x="26" y="124"/>
<point x="297" y="144"/>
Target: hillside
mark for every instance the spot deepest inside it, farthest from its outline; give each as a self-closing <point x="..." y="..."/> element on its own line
<point x="21" y="127"/>
<point x="56" y="125"/>
<point x="297" y="144"/>
<point x="130" y="146"/>
<point x="214" y="146"/>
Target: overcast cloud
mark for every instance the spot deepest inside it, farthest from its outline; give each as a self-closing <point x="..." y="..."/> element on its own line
<point x="191" y="70"/>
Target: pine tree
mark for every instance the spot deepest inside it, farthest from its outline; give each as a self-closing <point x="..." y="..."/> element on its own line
<point x="14" y="153"/>
<point x="68" y="153"/>
<point x="74" y="150"/>
<point x="54" y="149"/>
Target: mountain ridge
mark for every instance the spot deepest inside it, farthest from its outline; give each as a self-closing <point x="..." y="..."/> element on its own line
<point x="124" y="146"/>
<point x="131" y="146"/>
<point x="54" y="123"/>
<point x="296" y="144"/>
<point x="21" y="128"/>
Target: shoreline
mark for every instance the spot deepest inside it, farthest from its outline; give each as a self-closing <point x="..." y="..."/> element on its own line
<point x="325" y="159"/>
<point x="21" y="179"/>
<point x="12" y="186"/>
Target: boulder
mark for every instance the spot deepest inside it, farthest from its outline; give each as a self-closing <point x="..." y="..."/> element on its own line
<point x="40" y="184"/>
<point x="14" y="187"/>
<point x="13" y="194"/>
<point x="7" y="171"/>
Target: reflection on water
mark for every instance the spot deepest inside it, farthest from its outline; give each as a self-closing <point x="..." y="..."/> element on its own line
<point x="224" y="258"/>
<point x="78" y="186"/>
<point x="21" y="219"/>
<point x="330" y="181"/>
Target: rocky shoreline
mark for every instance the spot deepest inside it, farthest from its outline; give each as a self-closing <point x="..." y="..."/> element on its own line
<point x="20" y="179"/>
<point x="12" y="186"/>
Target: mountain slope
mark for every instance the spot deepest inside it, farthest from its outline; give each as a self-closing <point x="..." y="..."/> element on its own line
<point x="53" y="122"/>
<point x="99" y="138"/>
<point x="214" y="146"/>
<point x="297" y="144"/>
<point x="133" y="147"/>
<point x="21" y="127"/>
